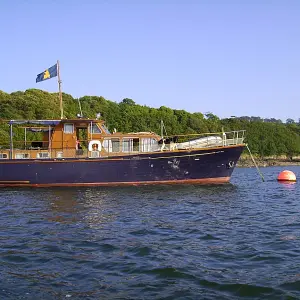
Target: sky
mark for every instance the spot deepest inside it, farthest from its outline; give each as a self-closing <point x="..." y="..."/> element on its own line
<point x="228" y="57"/>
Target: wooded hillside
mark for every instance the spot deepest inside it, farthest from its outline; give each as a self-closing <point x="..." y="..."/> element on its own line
<point x="266" y="137"/>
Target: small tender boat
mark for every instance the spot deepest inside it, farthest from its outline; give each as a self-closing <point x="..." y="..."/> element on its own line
<point x="209" y="141"/>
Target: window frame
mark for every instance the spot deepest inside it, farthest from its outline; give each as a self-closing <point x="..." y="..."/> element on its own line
<point x="68" y="124"/>
<point x="91" y="128"/>
<point x="25" y="156"/>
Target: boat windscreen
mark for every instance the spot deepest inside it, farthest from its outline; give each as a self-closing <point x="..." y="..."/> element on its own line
<point x="105" y="129"/>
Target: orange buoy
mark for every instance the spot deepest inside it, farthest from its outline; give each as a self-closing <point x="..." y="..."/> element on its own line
<point x="286" y="175"/>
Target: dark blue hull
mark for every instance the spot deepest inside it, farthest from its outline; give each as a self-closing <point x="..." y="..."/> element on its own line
<point x="197" y="166"/>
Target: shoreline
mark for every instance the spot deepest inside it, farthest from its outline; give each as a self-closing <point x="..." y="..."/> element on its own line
<point x="246" y="162"/>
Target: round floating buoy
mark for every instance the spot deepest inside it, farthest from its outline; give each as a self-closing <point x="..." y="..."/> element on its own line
<point x="286" y="175"/>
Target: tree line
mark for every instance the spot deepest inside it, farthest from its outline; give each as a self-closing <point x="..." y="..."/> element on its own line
<point x="265" y="137"/>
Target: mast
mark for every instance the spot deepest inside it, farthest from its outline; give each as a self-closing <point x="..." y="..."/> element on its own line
<point x="60" y="93"/>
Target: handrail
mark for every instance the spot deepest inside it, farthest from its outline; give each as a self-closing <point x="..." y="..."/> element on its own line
<point x="170" y="143"/>
<point x="206" y="133"/>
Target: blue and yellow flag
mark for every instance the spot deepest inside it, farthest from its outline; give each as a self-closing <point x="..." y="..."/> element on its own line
<point x="47" y="74"/>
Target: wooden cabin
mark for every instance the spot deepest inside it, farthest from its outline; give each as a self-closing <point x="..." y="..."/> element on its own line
<point x="75" y="138"/>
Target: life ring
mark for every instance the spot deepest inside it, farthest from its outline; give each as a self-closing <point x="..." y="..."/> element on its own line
<point x="95" y="145"/>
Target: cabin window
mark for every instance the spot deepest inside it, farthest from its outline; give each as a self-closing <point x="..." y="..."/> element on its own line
<point x="130" y="144"/>
<point x="43" y="155"/>
<point x="22" y="155"/>
<point x="95" y="154"/>
<point x="111" y="145"/>
<point x="115" y="145"/>
<point x="68" y="128"/>
<point x="95" y="129"/>
<point x="107" y="145"/>
<point x="3" y="155"/>
<point x="149" y="145"/>
<point x="126" y="145"/>
<point x="136" y="144"/>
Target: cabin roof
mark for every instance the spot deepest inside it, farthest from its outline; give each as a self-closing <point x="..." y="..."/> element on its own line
<point x="36" y="122"/>
<point x="53" y="122"/>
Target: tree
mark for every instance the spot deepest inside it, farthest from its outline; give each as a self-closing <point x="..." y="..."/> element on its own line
<point x="292" y="146"/>
<point x="128" y="101"/>
<point x="268" y="138"/>
<point x="290" y="121"/>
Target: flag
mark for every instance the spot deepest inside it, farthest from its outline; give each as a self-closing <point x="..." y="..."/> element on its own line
<point x="47" y="74"/>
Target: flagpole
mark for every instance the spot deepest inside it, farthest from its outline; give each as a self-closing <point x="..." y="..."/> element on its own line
<point x="60" y="93"/>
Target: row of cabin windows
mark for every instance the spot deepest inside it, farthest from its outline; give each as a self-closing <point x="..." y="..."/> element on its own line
<point x="39" y="155"/>
<point x="69" y="128"/>
<point x="26" y="155"/>
<point x="130" y="145"/>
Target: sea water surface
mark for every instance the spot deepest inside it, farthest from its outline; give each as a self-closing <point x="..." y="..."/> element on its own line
<point x="233" y="241"/>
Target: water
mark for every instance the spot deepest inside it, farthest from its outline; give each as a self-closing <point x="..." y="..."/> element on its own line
<point x="234" y="241"/>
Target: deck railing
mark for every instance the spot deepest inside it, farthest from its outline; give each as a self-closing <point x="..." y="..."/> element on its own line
<point x="44" y="149"/>
<point x="205" y="140"/>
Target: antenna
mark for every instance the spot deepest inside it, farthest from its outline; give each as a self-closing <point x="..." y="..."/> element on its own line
<point x="81" y="115"/>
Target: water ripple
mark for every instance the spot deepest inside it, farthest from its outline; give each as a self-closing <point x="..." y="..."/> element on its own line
<point x="234" y="241"/>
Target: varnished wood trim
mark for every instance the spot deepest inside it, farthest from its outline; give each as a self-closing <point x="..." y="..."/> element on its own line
<point x="218" y="180"/>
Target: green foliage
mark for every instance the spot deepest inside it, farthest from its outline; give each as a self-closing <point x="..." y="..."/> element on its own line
<point x="266" y="137"/>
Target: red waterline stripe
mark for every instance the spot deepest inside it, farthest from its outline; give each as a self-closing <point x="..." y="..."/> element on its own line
<point x="217" y="180"/>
